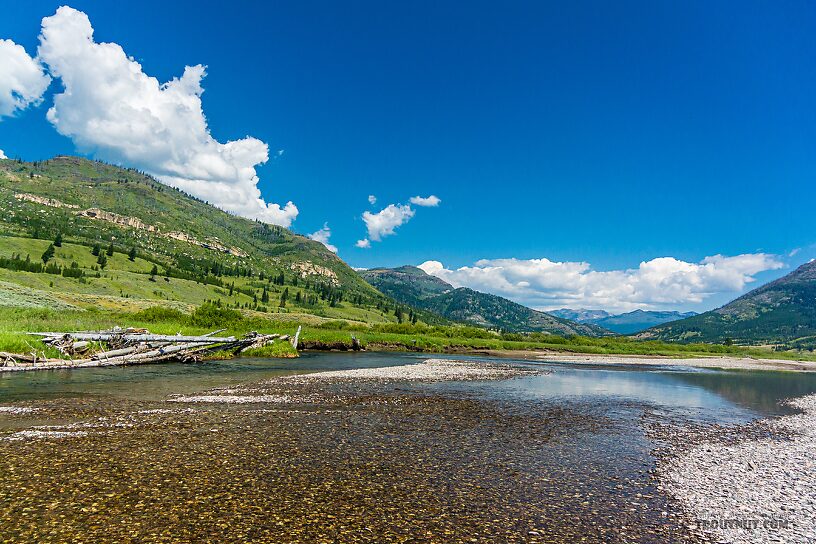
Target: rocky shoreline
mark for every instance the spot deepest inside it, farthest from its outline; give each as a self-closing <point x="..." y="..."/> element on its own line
<point x="745" y="484"/>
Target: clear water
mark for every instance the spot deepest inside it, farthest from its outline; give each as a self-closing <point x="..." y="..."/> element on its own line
<point x="730" y="396"/>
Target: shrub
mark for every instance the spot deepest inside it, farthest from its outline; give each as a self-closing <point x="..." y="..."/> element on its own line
<point x="156" y="314"/>
<point x="213" y="315"/>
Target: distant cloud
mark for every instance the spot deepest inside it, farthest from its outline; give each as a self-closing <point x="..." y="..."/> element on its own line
<point x="22" y="79"/>
<point x="661" y="283"/>
<point x="794" y="252"/>
<point x="428" y="201"/>
<point x="280" y="152"/>
<point x="323" y="236"/>
<point x="110" y="107"/>
<point x="2" y="155"/>
<point x="384" y="222"/>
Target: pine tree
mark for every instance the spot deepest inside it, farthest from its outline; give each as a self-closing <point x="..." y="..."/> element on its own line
<point x="265" y="296"/>
<point x="109" y="252"/>
<point x="284" y="298"/>
<point x="154" y="271"/>
<point x="132" y="254"/>
<point x="102" y="261"/>
<point x="48" y="253"/>
<point x="58" y="240"/>
<point x="97" y="249"/>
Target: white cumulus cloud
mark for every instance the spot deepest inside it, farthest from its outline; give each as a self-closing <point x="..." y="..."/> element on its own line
<point x="22" y="79"/>
<point x="428" y="201"/>
<point x="663" y="282"/>
<point x="110" y="107"/>
<point x="365" y="243"/>
<point x="323" y="236"/>
<point x="384" y="222"/>
<point x="2" y="155"/>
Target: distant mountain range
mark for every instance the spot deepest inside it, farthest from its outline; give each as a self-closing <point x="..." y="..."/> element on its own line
<point x="783" y="311"/>
<point x="628" y="323"/>
<point x="411" y="285"/>
<point x="581" y="316"/>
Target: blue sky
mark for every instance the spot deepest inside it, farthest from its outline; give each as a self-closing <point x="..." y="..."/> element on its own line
<point x="583" y="132"/>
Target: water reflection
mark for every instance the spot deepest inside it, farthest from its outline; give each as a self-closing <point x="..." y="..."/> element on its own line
<point x="715" y="393"/>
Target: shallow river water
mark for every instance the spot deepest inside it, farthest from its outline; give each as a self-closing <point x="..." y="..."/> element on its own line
<point x="557" y="455"/>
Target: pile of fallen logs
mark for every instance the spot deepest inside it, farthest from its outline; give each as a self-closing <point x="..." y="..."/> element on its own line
<point x="131" y="346"/>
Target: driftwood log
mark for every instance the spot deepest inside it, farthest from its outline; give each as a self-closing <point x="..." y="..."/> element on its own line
<point x="129" y="347"/>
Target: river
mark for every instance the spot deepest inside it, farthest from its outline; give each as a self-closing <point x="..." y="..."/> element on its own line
<point x="556" y="453"/>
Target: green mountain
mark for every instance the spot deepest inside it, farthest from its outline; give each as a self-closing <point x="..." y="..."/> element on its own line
<point x="160" y="246"/>
<point x="780" y="312"/>
<point x="411" y="285"/>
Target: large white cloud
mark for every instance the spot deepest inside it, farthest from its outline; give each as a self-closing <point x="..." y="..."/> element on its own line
<point x="112" y="109"/>
<point x="22" y="79"/>
<point x="664" y="282"/>
<point x="323" y="236"/>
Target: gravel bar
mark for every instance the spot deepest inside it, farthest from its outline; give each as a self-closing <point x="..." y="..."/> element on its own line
<point x="759" y="489"/>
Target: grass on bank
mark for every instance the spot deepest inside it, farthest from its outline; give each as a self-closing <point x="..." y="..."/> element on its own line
<point x="15" y="323"/>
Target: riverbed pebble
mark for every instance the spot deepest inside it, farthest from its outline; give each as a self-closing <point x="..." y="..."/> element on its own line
<point x="755" y="490"/>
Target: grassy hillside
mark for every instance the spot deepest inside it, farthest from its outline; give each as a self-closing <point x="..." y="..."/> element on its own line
<point x="782" y="313"/>
<point x="186" y="251"/>
<point x="411" y="285"/>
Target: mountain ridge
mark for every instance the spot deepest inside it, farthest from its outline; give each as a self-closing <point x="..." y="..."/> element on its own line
<point x="413" y="286"/>
<point x="624" y="323"/>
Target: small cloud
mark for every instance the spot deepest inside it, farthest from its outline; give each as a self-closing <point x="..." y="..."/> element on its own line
<point x="794" y="252"/>
<point x="365" y="243"/>
<point x="280" y="152"/>
<point x="323" y="236"/>
<point x="2" y="155"/>
<point x="384" y="222"/>
<point x="429" y="201"/>
<point x="372" y="199"/>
